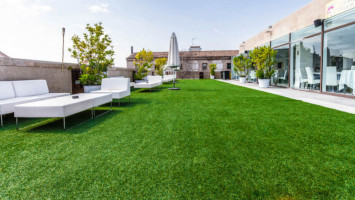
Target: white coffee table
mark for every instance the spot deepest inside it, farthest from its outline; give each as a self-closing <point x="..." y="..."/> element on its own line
<point x="61" y="107"/>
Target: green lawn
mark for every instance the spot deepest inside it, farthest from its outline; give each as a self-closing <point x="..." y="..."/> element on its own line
<point x="210" y="140"/>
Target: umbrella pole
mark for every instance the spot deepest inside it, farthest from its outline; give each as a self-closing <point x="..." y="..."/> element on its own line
<point x="174" y="88"/>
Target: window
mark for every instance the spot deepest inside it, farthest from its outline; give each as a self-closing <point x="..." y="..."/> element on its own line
<point x="281" y="67"/>
<point x="204" y="66"/>
<point x="229" y="66"/>
<point x="306" y="56"/>
<point x="339" y="61"/>
<point x="282" y="40"/>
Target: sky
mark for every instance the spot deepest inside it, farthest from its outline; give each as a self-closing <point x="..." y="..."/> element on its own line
<point x="32" y="29"/>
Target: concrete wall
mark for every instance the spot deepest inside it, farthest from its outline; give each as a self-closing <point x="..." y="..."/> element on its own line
<point x="118" y="71"/>
<point x="58" y="81"/>
<point x="298" y="20"/>
<point x="21" y="69"/>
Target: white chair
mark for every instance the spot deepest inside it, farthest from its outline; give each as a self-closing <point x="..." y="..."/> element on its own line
<point x="299" y="78"/>
<point x="155" y="79"/>
<point x="168" y="78"/>
<point x="352" y="67"/>
<point x="284" y="77"/>
<point x="253" y="75"/>
<point x="331" y="78"/>
<point x="310" y="77"/>
<point x="13" y="93"/>
<point x="118" y="87"/>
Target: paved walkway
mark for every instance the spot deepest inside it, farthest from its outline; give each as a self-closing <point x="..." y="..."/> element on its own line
<point x="334" y="102"/>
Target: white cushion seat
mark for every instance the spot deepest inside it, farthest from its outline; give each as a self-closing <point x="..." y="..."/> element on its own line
<point x="13" y="93"/>
<point x="168" y="78"/>
<point x="8" y="105"/>
<point x="118" y="87"/>
<point x="116" y="94"/>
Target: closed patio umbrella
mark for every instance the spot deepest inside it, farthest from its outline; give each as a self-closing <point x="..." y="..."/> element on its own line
<point x="174" y="58"/>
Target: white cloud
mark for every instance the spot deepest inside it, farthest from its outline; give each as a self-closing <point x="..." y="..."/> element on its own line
<point x="99" y="8"/>
<point x="23" y="8"/>
<point x="37" y="9"/>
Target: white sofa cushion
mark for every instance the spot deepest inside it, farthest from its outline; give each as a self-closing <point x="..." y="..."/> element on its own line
<point x="30" y="88"/>
<point x="116" y="94"/>
<point x="154" y="79"/>
<point x="115" y="84"/>
<point x="6" y="90"/>
<point x="8" y="105"/>
<point x="118" y="87"/>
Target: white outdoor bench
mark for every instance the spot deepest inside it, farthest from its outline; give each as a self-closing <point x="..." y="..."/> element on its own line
<point x="61" y="107"/>
<point x="118" y="87"/>
<point x="153" y="81"/>
<point x="168" y="78"/>
<point x="13" y="93"/>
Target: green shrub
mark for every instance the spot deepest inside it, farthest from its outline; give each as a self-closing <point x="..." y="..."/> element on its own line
<point x="94" y="54"/>
<point x="264" y="59"/>
<point x="213" y="67"/>
<point x="242" y="64"/>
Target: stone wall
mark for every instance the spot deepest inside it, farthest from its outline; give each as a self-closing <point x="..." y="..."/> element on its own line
<point x="58" y="80"/>
<point x="22" y="69"/>
<point x="119" y="71"/>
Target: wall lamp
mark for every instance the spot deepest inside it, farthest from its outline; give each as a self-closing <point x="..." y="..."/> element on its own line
<point x="318" y="22"/>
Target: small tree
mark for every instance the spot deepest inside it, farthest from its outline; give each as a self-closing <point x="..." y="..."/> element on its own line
<point x="264" y="59"/>
<point x="143" y="63"/>
<point x="242" y="65"/>
<point x="213" y="67"/>
<point x="159" y="65"/>
<point x="94" y="54"/>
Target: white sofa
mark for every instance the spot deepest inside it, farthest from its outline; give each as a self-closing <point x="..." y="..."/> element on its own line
<point x="118" y="87"/>
<point x="18" y="92"/>
<point x="168" y="78"/>
<point x="153" y="81"/>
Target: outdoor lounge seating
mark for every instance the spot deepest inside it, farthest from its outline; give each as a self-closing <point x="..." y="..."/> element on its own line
<point x="168" y="78"/>
<point x="153" y="81"/>
<point x="13" y="93"/>
<point x="61" y="107"/>
<point x="118" y="87"/>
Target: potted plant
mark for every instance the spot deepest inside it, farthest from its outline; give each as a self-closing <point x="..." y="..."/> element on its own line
<point x="143" y="63"/>
<point x="213" y="67"/>
<point x="94" y="54"/>
<point x="242" y="65"/>
<point x="264" y="59"/>
<point x="159" y="66"/>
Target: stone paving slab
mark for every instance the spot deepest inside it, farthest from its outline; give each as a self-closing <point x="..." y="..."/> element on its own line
<point x="334" y="102"/>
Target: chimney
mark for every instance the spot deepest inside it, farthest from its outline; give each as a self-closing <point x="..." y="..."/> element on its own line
<point x="131" y="49"/>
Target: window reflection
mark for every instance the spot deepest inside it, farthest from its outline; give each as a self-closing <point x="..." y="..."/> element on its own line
<point x="281" y="67"/>
<point x="306" y="56"/>
<point x="339" y="61"/>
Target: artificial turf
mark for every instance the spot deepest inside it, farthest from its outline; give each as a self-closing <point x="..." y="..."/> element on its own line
<point x="210" y="140"/>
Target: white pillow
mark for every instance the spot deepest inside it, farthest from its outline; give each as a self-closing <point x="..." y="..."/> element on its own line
<point x="30" y="88"/>
<point x="6" y="90"/>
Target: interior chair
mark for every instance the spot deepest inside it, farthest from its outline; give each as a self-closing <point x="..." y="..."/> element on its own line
<point x="310" y="78"/>
<point x="253" y="75"/>
<point x="331" y="77"/>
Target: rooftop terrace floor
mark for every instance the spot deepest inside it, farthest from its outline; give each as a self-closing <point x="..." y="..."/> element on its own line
<point x="210" y="140"/>
<point x="335" y="102"/>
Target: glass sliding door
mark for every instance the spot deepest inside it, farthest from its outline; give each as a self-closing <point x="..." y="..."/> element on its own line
<point x="339" y="61"/>
<point x="306" y="60"/>
<point x="281" y="67"/>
